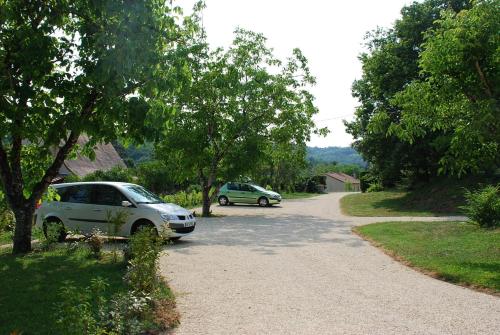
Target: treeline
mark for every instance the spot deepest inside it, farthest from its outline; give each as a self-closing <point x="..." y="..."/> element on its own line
<point x="287" y="174"/>
<point x="429" y="93"/>
<point x="165" y="178"/>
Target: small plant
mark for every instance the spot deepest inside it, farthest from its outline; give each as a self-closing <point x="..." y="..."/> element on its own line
<point x="483" y="206"/>
<point x="82" y="311"/>
<point x="375" y="187"/>
<point x="185" y="199"/>
<point x="115" y="223"/>
<point x="95" y="243"/>
<point x="52" y="235"/>
<point x="142" y="272"/>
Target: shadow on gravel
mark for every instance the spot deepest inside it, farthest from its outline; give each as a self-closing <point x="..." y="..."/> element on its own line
<point x="266" y="233"/>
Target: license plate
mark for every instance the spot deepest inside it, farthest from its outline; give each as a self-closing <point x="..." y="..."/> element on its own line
<point x="189" y="224"/>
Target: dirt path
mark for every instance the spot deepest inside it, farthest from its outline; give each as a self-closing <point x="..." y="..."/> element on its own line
<point x="298" y="269"/>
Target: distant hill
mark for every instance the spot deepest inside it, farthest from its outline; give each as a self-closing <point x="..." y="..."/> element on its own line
<point x="344" y="155"/>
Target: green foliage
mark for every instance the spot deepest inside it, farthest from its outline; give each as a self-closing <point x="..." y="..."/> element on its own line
<point x="52" y="235"/>
<point x="142" y="272"/>
<point x="87" y="311"/>
<point x="117" y="173"/>
<point x="483" y="206"/>
<point x="31" y="311"/>
<point x="390" y="64"/>
<point x="156" y="176"/>
<point x="241" y="105"/>
<point x="375" y="187"/>
<point x="68" y="68"/>
<point x="81" y="311"/>
<point x="185" y="199"/>
<point x="459" y="96"/>
<point x="95" y="242"/>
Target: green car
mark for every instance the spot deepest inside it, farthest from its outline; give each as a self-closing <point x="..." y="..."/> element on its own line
<point x="231" y="193"/>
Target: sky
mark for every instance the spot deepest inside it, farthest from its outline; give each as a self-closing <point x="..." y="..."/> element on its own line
<point x="329" y="33"/>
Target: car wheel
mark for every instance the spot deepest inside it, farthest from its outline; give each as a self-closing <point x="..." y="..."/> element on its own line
<point x="54" y="222"/>
<point x="174" y="239"/>
<point x="223" y="201"/>
<point x="263" y="202"/>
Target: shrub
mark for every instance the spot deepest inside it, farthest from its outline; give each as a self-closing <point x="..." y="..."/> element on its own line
<point x="52" y="235"/>
<point x="95" y="243"/>
<point x="375" y="187"/>
<point x="87" y="311"/>
<point x="142" y="272"/>
<point x="115" y="174"/>
<point x="185" y="199"/>
<point x="155" y="176"/>
<point x="483" y="206"/>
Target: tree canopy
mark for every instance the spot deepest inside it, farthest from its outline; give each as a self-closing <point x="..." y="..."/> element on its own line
<point x="240" y="106"/>
<point x="427" y="96"/>
<point x="73" y="67"/>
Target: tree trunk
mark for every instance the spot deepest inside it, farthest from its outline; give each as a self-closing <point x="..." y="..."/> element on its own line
<point x="22" y="231"/>
<point x="206" y="200"/>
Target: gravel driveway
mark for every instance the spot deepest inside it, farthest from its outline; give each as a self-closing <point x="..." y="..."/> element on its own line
<point x="298" y="269"/>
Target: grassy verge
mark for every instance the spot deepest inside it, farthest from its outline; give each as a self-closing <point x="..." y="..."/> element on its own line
<point x="438" y="197"/>
<point x="457" y="252"/>
<point x="30" y="285"/>
<point x="387" y="203"/>
<point x="298" y="195"/>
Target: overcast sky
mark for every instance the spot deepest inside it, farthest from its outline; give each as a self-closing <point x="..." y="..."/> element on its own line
<point x="329" y="33"/>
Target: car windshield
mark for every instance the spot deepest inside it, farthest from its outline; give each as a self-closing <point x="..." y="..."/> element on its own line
<point x="262" y="189"/>
<point x="142" y="196"/>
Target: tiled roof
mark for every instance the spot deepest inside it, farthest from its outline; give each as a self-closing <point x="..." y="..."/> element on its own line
<point x="345" y="178"/>
<point x="106" y="158"/>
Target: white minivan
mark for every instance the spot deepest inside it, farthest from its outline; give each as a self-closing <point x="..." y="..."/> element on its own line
<point x="86" y="206"/>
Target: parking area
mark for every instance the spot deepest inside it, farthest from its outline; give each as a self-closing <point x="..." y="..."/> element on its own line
<point x="297" y="268"/>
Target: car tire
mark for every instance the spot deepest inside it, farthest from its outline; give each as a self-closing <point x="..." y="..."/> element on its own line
<point x="55" y="221"/>
<point x="223" y="200"/>
<point x="175" y="239"/>
<point x="263" y="202"/>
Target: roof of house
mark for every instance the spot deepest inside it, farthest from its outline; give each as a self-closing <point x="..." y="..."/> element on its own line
<point x="345" y="178"/>
<point x="106" y="158"/>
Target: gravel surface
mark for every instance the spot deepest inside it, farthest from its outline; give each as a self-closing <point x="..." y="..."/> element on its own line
<point x="298" y="269"/>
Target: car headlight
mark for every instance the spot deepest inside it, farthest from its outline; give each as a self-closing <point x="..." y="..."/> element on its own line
<point x="169" y="217"/>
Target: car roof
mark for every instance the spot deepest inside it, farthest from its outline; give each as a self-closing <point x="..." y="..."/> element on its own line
<point x="112" y="183"/>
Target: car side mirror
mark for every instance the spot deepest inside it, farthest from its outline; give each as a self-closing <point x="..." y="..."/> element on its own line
<point x="126" y="203"/>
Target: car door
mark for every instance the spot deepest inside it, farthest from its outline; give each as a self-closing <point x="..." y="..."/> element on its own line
<point x="107" y="203"/>
<point x="246" y="193"/>
<point x="76" y="208"/>
<point x="233" y="192"/>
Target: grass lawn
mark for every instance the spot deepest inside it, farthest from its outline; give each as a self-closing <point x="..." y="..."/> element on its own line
<point x="459" y="252"/>
<point x="29" y="285"/>
<point x="298" y="195"/>
<point x="388" y="203"/>
<point x="442" y="196"/>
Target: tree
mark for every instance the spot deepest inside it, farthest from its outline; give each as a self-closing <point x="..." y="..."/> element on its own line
<point x="459" y="96"/>
<point x="389" y="65"/>
<point x="239" y="102"/>
<point x="67" y="68"/>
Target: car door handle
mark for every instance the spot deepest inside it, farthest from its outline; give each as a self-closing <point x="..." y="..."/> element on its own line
<point x="97" y="210"/>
